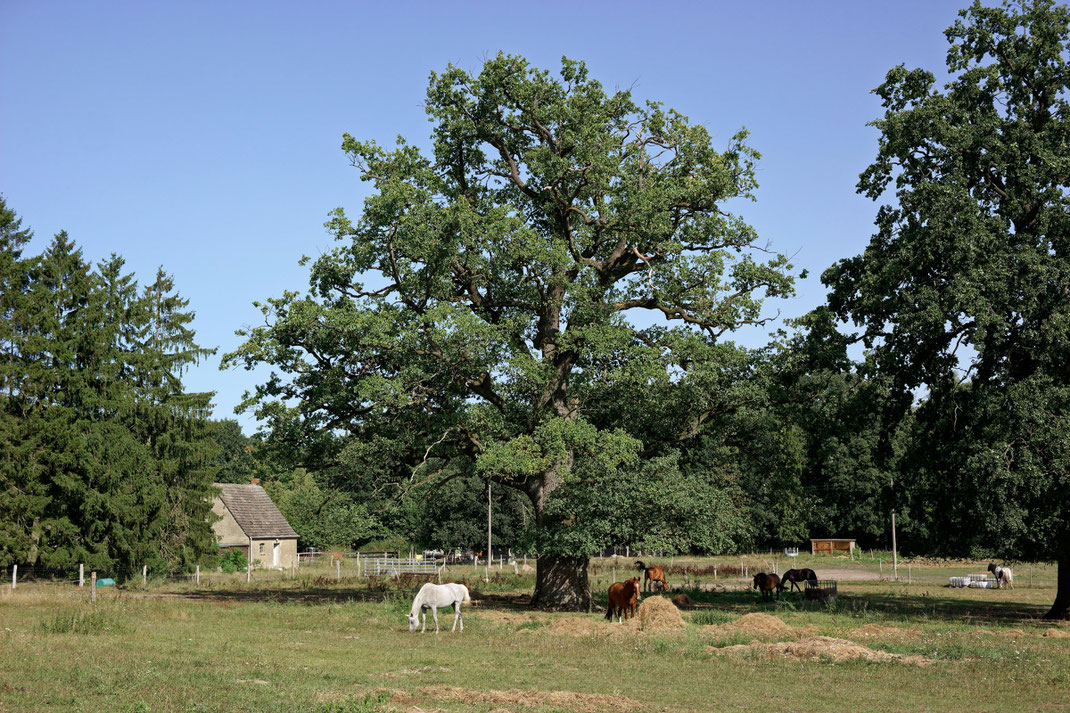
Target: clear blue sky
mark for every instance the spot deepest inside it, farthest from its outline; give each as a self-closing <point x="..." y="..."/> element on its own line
<point x="204" y="136"/>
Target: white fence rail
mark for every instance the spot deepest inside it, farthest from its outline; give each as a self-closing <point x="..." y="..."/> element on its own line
<point x="393" y="566"/>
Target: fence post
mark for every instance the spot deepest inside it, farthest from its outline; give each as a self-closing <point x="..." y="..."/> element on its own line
<point x="293" y="570"/>
<point x="144" y="575"/>
<point x="338" y="569"/>
<point x="198" y="574"/>
<point x="93" y="588"/>
<point x="249" y="571"/>
<point x="501" y="562"/>
<point x="14" y="574"/>
<point x="614" y="574"/>
<point x="715" y="571"/>
<point x="81" y="575"/>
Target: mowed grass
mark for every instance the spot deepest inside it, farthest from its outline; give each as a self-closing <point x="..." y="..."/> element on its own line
<point x="318" y="645"/>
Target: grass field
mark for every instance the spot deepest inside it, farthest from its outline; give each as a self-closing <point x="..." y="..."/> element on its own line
<point x="319" y="645"/>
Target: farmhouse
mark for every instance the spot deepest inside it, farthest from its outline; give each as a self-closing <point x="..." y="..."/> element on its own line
<point x="250" y="522"/>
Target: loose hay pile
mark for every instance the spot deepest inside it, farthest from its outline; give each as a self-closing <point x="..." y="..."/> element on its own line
<point x="659" y="614"/>
<point x="1057" y="633"/>
<point x="576" y="626"/>
<point x="816" y="648"/>
<point x="761" y="625"/>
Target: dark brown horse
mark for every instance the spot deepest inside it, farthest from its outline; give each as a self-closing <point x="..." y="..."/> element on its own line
<point x="767" y="584"/>
<point x="794" y="576"/>
<point x="651" y="576"/>
<point x="622" y="597"/>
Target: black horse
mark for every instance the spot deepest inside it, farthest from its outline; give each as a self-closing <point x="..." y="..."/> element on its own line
<point x="794" y="576"/>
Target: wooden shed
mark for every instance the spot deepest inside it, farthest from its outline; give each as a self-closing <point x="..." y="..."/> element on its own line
<point x="832" y="545"/>
<point x="250" y="522"/>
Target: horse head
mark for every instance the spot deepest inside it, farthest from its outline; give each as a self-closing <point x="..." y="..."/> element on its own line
<point x="992" y="567"/>
<point x="413" y="621"/>
<point x="640" y="565"/>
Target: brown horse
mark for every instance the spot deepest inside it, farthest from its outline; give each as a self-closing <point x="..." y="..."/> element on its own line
<point x="622" y="597"/>
<point x="651" y="576"/>
<point x="767" y="584"/>
<point x="794" y="576"/>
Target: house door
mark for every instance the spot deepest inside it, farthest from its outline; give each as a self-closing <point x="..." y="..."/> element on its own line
<point x="275" y="555"/>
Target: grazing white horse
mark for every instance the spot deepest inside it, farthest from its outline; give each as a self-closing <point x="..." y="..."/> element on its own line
<point x="1004" y="576"/>
<point x="432" y="596"/>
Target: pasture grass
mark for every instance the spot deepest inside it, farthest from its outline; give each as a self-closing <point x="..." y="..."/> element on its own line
<point x="318" y="645"/>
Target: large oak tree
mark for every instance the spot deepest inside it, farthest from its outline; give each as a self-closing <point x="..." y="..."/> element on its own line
<point x="964" y="290"/>
<point x="492" y="290"/>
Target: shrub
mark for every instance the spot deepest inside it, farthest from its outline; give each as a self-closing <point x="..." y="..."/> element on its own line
<point x="233" y="561"/>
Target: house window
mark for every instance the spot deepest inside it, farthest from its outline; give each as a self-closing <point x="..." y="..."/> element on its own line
<point x="261" y="548"/>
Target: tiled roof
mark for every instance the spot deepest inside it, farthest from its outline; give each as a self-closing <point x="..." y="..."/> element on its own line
<point x="254" y="512"/>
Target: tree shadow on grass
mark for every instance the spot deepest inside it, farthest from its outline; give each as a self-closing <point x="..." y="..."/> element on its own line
<point x="898" y="605"/>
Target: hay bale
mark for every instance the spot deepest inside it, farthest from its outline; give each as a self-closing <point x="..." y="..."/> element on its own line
<point x="659" y="614"/>
<point x="1057" y="633"/>
<point x="526" y="568"/>
<point x="682" y="601"/>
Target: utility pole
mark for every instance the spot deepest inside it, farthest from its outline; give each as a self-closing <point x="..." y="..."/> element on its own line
<point x="895" y="553"/>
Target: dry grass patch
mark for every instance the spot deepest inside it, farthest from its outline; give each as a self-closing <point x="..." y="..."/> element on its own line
<point x="872" y="630"/>
<point x="816" y="648"/>
<point x="560" y="700"/>
<point x="1057" y="633"/>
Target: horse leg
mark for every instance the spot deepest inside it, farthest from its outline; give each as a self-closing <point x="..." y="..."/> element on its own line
<point x="434" y="613"/>
<point x="423" y="615"/>
<point x="457" y="616"/>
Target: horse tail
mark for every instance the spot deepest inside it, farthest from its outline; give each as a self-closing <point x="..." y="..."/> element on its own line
<point x="467" y="599"/>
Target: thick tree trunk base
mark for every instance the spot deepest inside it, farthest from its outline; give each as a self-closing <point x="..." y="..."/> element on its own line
<point x="561" y="583"/>
<point x="1061" y="608"/>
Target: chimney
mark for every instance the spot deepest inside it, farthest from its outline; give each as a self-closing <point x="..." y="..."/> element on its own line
<point x="255" y="481"/>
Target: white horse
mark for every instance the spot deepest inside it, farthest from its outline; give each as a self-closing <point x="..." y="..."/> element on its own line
<point x="1004" y="576"/>
<point x="432" y="596"/>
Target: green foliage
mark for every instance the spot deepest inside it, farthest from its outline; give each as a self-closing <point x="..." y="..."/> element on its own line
<point x="235" y="458"/>
<point x="106" y="456"/>
<point x="233" y="561"/>
<point x="479" y="309"/>
<point x="453" y="514"/>
<point x="323" y="518"/>
<point x="963" y="294"/>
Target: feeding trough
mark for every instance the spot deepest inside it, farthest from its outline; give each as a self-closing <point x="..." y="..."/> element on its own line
<point x="820" y="589"/>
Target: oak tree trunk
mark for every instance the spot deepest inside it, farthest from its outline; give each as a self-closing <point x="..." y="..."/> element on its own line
<point x="1061" y="608"/>
<point x="561" y="583"/>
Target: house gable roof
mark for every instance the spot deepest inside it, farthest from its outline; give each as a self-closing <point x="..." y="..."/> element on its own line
<point x="253" y="510"/>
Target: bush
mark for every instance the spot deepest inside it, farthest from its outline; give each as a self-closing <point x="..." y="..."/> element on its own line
<point x="233" y="561"/>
